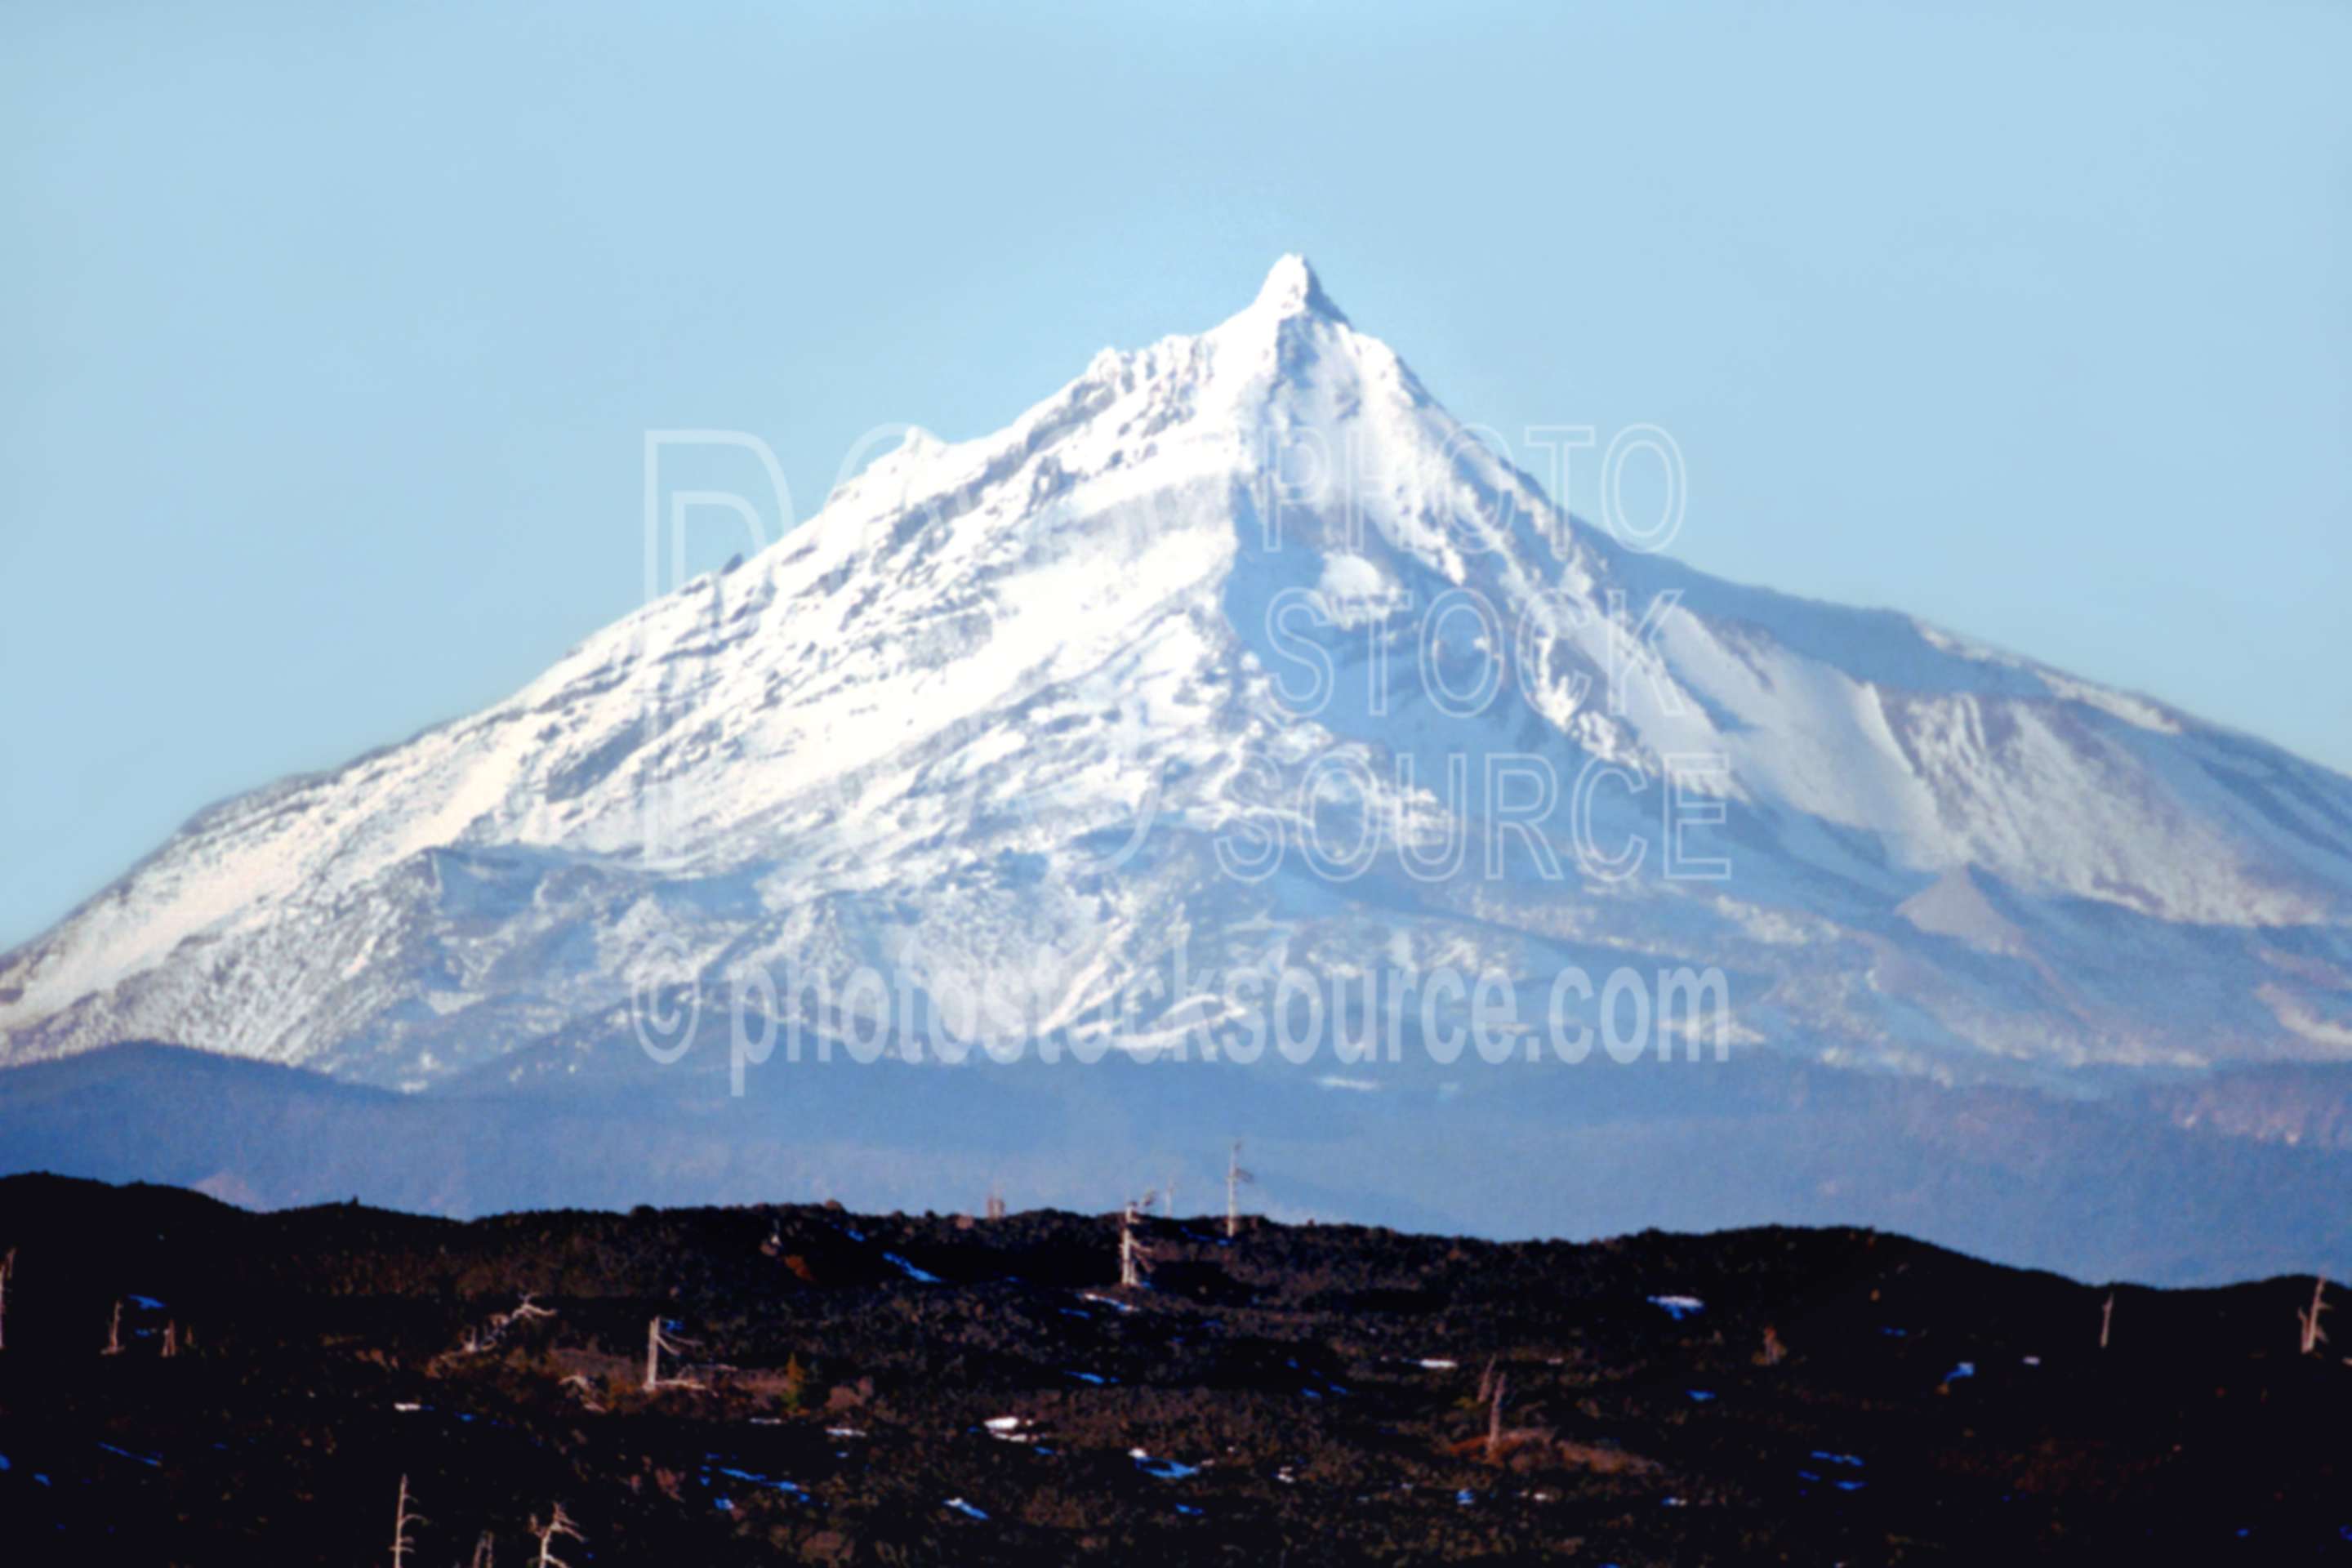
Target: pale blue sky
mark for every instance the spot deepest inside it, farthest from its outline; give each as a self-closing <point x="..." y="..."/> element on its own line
<point x="327" y="341"/>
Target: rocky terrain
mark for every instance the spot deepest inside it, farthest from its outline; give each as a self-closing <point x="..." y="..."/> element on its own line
<point x="183" y="1381"/>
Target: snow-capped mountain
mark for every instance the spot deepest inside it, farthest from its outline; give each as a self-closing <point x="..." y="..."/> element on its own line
<point x="1036" y="705"/>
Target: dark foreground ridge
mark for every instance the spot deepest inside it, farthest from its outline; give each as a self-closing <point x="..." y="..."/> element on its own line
<point x="917" y="1390"/>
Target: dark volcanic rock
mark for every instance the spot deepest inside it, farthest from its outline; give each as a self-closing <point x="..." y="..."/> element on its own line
<point x="895" y="1389"/>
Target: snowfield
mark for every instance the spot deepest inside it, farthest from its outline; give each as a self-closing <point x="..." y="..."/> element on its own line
<point x="995" y="709"/>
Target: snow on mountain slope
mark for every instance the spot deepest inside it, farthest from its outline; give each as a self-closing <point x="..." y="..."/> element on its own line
<point x="994" y="711"/>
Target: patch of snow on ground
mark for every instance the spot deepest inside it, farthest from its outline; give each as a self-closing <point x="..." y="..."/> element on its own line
<point x="1166" y="1469"/>
<point x="772" y="1482"/>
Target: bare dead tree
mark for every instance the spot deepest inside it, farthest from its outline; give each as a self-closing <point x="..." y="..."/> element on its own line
<point x="1134" y="1256"/>
<point x="114" y="1331"/>
<point x="2107" y="1319"/>
<point x="524" y="1310"/>
<point x="1236" y="1179"/>
<point x="2313" y="1336"/>
<point x="995" y="1205"/>
<point x="1495" y="1417"/>
<point x="1167" y="1198"/>
<point x="559" y="1524"/>
<point x="656" y="1342"/>
<point x="485" y="1549"/>
<point x="478" y="1341"/>
<point x="171" y="1339"/>
<point x="401" y="1520"/>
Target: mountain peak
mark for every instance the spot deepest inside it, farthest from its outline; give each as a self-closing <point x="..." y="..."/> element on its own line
<point x="913" y="726"/>
<point x="1291" y="288"/>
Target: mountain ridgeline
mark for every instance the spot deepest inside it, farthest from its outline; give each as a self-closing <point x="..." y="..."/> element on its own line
<point x="1054" y="730"/>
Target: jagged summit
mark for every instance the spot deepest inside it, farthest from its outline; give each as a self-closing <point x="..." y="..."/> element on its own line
<point x="1292" y="288"/>
<point x="993" y="709"/>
